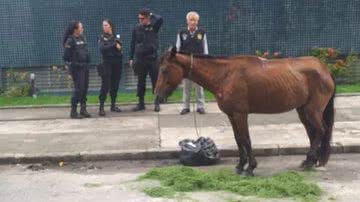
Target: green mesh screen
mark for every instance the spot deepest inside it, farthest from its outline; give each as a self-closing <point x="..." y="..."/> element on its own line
<point x="31" y="30"/>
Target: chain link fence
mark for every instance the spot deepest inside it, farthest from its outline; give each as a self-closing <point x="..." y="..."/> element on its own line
<point x="32" y="30"/>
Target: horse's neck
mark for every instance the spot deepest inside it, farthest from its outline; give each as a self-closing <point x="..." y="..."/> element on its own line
<point x="203" y="73"/>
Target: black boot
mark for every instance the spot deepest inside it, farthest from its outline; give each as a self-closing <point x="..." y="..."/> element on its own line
<point x="101" y="110"/>
<point x="114" y="108"/>
<point x="140" y="106"/>
<point x="157" y="104"/>
<point x="73" y="113"/>
<point x="83" y="111"/>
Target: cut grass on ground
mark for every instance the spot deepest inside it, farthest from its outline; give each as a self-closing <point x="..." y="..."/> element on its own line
<point x="185" y="179"/>
<point x="124" y="97"/>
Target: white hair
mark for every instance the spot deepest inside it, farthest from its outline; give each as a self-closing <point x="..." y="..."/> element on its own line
<point x="192" y="13"/>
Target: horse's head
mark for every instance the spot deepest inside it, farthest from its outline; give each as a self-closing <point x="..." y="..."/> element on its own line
<point x="170" y="74"/>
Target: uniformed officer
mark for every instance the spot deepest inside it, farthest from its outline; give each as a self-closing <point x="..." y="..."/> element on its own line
<point x="77" y="57"/>
<point x="143" y="54"/>
<point x="192" y="40"/>
<point x="110" y="70"/>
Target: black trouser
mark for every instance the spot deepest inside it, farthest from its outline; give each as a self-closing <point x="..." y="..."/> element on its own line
<point x="143" y="68"/>
<point x="80" y="76"/>
<point x="110" y="80"/>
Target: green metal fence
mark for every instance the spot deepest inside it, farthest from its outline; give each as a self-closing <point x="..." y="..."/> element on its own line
<point x="31" y="30"/>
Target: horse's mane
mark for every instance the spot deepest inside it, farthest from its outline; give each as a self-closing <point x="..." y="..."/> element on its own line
<point x="217" y="57"/>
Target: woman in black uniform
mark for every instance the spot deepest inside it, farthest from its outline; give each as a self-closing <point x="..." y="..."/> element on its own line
<point x="77" y="57"/>
<point x="110" y="70"/>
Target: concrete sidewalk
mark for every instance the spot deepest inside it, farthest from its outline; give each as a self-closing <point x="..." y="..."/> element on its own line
<point x="47" y="134"/>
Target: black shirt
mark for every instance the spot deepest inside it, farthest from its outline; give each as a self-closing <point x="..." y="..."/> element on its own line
<point x="76" y="51"/>
<point x="107" y="45"/>
<point x="145" y="42"/>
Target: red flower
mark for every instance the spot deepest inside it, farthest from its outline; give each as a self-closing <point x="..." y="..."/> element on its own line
<point x="331" y="52"/>
<point x="266" y="53"/>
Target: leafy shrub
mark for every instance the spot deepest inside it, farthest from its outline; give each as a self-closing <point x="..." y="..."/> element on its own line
<point x="19" y="84"/>
<point x="337" y="63"/>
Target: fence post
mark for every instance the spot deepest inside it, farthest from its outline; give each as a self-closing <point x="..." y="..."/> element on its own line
<point x="33" y="88"/>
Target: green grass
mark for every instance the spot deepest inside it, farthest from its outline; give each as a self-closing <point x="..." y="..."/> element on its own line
<point x="124" y="97"/>
<point x="348" y="88"/>
<point x="185" y="179"/>
<point x="158" y="192"/>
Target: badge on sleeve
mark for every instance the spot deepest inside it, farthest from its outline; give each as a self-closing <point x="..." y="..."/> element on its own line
<point x="200" y="36"/>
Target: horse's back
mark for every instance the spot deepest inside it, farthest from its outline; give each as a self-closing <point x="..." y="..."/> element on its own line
<point x="286" y="83"/>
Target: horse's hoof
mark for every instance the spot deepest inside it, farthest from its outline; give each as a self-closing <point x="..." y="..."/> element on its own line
<point x="247" y="173"/>
<point x="307" y="165"/>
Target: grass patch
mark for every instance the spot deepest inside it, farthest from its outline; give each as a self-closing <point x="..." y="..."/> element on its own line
<point x="157" y="192"/>
<point x="123" y="98"/>
<point x="348" y="88"/>
<point x="185" y="179"/>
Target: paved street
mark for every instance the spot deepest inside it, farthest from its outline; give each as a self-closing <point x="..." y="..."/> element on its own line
<point x="114" y="181"/>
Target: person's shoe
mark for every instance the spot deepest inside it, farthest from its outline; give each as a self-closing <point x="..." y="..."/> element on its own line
<point x="84" y="112"/>
<point x="73" y="113"/>
<point x="114" y="108"/>
<point x="200" y="111"/>
<point x="139" y="107"/>
<point x="157" y="108"/>
<point x="101" y="111"/>
<point x="185" y="111"/>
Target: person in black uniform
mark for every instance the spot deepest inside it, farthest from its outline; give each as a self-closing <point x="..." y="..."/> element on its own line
<point x="110" y="70"/>
<point x="143" y="54"/>
<point x="77" y="57"/>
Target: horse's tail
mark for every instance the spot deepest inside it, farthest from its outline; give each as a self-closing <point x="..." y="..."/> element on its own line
<point x="328" y="118"/>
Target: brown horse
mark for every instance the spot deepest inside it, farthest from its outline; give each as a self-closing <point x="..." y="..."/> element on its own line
<point x="248" y="84"/>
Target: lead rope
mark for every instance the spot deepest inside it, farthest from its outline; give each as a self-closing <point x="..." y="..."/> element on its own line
<point x="193" y="102"/>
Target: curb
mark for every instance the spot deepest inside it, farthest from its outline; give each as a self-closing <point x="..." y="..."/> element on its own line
<point x="270" y="150"/>
<point x="89" y="105"/>
<point x="347" y="94"/>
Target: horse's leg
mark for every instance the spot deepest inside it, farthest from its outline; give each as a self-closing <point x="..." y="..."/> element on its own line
<point x="241" y="122"/>
<point x="242" y="152"/>
<point x="309" y="129"/>
<point x="314" y="116"/>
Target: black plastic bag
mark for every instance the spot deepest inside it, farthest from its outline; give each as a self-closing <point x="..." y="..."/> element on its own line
<point x="201" y="152"/>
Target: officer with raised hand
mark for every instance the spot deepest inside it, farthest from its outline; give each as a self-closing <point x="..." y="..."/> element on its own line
<point x="143" y="54"/>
